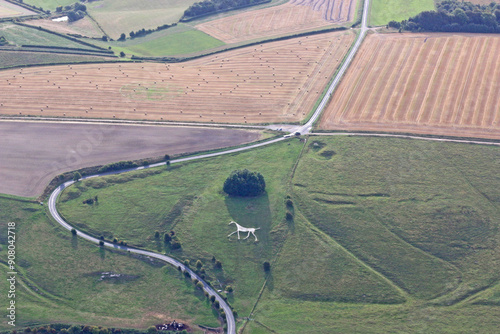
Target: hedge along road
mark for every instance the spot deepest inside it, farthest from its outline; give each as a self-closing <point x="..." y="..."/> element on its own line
<point x="231" y="324"/>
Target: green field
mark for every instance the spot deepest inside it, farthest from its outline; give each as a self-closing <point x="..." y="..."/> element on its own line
<point x="420" y="214"/>
<point x="59" y="279"/>
<point x="382" y="228"/>
<point x="179" y="40"/>
<point x="122" y="16"/>
<point x="176" y="44"/>
<point x="49" y="4"/>
<point x="383" y="11"/>
<point x="21" y="35"/>
<point x="192" y="205"/>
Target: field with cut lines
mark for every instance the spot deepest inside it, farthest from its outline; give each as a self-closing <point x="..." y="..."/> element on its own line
<point x="8" y="9"/>
<point x="444" y="84"/>
<point x="273" y="82"/>
<point x="123" y="16"/>
<point x="294" y="16"/>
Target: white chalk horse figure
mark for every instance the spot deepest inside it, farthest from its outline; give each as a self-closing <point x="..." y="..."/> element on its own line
<point x="244" y="229"/>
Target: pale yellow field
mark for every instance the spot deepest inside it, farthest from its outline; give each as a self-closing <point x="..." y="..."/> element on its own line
<point x="446" y="84"/>
<point x="272" y="82"/>
<point x="294" y="16"/>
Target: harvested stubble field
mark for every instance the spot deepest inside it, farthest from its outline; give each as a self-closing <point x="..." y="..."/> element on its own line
<point x="442" y="84"/>
<point x="32" y="153"/>
<point x="273" y="82"/>
<point x="294" y="16"/>
<point x="8" y="9"/>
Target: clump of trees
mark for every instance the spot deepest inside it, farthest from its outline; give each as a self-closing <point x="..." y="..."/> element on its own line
<point x="244" y="183"/>
<point x="117" y="166"/>
<point x="454" y="16"/>
<point x="207" y="7"/>
<point x="74" y="12"/>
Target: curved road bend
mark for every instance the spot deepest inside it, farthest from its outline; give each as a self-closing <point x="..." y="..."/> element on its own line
<point x="231" y="325"/>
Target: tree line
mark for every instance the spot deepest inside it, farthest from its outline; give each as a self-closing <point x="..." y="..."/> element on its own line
<point x="206" y="7"/>
<point x="454" y="16"/>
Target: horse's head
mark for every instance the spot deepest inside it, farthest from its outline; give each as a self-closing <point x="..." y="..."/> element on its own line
<point x="232" y="222"/>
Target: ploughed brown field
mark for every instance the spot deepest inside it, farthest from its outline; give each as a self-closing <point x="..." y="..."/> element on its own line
<point x="294" y="16"/>
<point x="273" y="82"/>
<point x="446" y="84"/>
<point x="32" y="153"/>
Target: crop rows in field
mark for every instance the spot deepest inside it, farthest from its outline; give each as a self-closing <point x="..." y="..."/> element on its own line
<point x="297" y="15"/>
<point x="427" y="83"/>
<point x="274" y="82"/>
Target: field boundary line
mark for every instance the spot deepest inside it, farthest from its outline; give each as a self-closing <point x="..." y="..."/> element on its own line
<point x="361" y="134"/>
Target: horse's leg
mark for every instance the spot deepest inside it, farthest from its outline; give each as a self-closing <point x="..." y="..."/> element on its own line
<point x="248" y="235"/>
<point x="238" y="233"/>
<point x="255" y="237"/>
<point x="232" y="233"/>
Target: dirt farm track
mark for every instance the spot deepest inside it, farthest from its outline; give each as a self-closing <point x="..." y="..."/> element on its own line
<point x="273" y="82"/>
<point x="447" y="84"/>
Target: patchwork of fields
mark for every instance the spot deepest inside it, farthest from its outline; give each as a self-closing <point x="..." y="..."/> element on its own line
<point x="444" y="84"/>
<point x="273" y="82"/>
<point x="294" y="16"/>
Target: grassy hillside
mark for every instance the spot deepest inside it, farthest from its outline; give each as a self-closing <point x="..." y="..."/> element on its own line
<point x="59" y="279"/>
<point x="381" y="229"/>
<point x="383" y="11"/>
<point x="420" y="214"/>
<point x="189" y="200"/>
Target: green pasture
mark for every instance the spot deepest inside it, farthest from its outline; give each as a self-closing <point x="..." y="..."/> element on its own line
<point x="123" y="16"/>
<point x="186" y="42"/>
<point x="387" y="235"/>
<point x="188" y="199"/>
<point x="59" y="279"/>
<point x="178" y="40"/>
<point x="49" y="4"/>
<point x="21" y="35"/>
<point x="383" y="11"/>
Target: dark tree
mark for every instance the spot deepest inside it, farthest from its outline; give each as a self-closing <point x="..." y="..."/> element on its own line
<point x="167" y="238"/>
<point x="77" y="176"/>
<point x="267" y="266"/>
<point x="122" y="37"/>
<point x="122" y="54"/>
<point x="244" y="183"/>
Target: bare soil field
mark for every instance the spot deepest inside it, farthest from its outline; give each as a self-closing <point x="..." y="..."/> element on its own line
<point x="294" y="16"/>
<point x="272" y="82"/>
<point x="445" y="84"/>
<point x="32" y="153"/>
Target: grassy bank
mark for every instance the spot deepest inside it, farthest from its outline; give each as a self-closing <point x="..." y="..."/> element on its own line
<point x="60" y="279"/>
<point x="380" y="228"/>
<point x="383" y="11"/>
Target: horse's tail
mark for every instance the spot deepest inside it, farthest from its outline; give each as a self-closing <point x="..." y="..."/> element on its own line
<point x="258" y="228"/>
